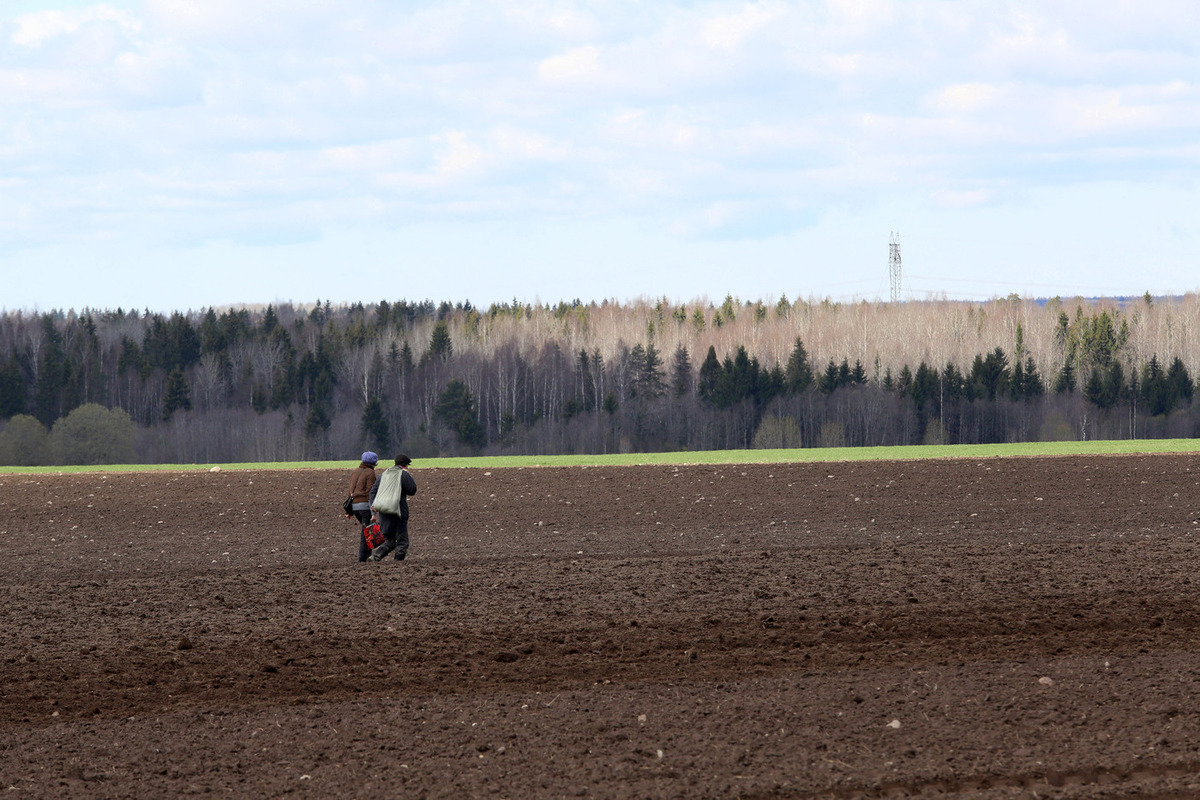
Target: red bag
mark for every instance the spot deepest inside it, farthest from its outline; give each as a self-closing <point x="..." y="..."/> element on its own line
<point x="372" y="534"/>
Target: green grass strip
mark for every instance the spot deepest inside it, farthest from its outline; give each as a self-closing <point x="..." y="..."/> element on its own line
<point x="805" y="455"/>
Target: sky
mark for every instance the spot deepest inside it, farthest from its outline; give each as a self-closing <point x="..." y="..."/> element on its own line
<point x="179" y="155"/>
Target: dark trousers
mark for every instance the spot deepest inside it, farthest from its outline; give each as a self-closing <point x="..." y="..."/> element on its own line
<point x="394" y="528"/>
<point x="364" y="518"/>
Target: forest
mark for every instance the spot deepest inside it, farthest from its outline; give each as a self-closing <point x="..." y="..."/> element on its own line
<point x="292" y="382"/>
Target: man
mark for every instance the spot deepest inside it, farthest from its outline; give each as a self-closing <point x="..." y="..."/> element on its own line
<point x="389" y="501"/>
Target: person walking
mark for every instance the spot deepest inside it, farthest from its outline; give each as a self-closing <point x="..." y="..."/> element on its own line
<point x="389" y="501"/>
<point x="362" y="482"/>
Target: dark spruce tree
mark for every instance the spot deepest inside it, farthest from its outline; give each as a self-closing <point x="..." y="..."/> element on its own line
<point x="178" y="396"/>
<point x="710" y="370"/>
<point x="374" y="426"/>
<point x="1179" y="383"/>
<point x="12" y="389"/>
<point x="681" y="372"/>
<point x="456" y="410"/>
<point x="798" y="376"/>
<point x="440" y="346"/>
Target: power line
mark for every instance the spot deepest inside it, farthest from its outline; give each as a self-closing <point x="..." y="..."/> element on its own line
<point x="1062" y="288"/>
<point x="894" y="266"/>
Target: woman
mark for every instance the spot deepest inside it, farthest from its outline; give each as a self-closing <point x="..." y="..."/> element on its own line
<point x="362" y="480"/>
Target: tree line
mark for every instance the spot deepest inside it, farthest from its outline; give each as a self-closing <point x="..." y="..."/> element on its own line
<point x="292" y="382"/>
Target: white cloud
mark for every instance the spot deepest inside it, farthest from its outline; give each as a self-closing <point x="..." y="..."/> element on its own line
<point x="555" y="19"/>
<point x="39" y="86"/>
<point x="33" y="30"/>
<point x="840" y="65"/>
<point x="269" y="22"/>
<point x="580" y="63"/>
<point x="729" y="31"/>
<point x="457" y="154"/>
<point x="966" y="97"/>
<point x="516" y="144"/>
<point x="861" y="17"/>
<point x="1102" y="111"/>
<point x="957" y="198"/>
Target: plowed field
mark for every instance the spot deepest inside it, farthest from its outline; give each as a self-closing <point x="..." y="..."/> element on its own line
<point x="959" y="628"/>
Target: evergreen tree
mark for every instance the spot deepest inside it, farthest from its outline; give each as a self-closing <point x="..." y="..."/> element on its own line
<point x="321" y="376"/>
<point x="1093" y="389"/>
<point x="178" y="395"/>
<point x="258" y="399"/>
<point x="597" y="373"/>
<point x="1153" y="389"/>
<point x="783" y="307"/>
<point x="1105" y="387"/>
<point x="1100" y="338"/>
<point x="681" y="372"/>
<point x="508" y="423"/>
<point x="710" y="371"/>
<point x="270" y="320"/>
<point x="12" y="389"/>
<point x="572" y="407"/>
<point x="1064" y="382"/>
<point x="131" y="358"/>
<point x="798" y="375"/>
<point x="406" y="359"/>
<point x="1016" y="382"/>
<point x="286" y="379"/>
<point x="843" y="373"/>
<point x="440" y="346"/>
<point x="990" y="374"/>
<point x="374" y="426"/>
<point x="770" y="384"/>
<point x="924" y="387"/>
<point x="651" y="380"/>
<point x="729" y="308"/>
<point x="1031" y="381"/>
<point x="725" y="391"/>
<point x="84" y="379"/>
<point x="637" y="369"/>
<point x="829" y="378"/>
<point x="1179" y="383"/>
<point x="171" y="343"/>
<point x="236" y="326"/>
<point x="738" y="380"/>
<point x="212" y="337"/>
<point x="1115" y="387"/>
<point x="317" y="422"/>
<point x="383" y="315"/>
<point x="858" y="375"/>
<point x="953" y="385"/>
<point x="53" y="369"/>
<point x="456" y="410"/>
<point x="185" y="342"/>
<point x="587" y="381"/>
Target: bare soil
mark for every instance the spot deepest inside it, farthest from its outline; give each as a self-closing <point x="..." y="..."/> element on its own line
<point x="958" y="628"/>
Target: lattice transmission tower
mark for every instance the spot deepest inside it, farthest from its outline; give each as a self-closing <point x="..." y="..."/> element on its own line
<point x="894" y="266"/>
